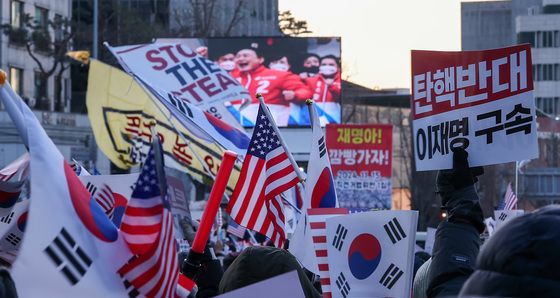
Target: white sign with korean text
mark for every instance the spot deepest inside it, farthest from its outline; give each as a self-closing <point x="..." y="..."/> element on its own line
<point x="480" y="100"/>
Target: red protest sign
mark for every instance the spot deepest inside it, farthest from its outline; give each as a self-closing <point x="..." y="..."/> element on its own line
<point x="361" y="159"/>
<point x="481" y="101"/>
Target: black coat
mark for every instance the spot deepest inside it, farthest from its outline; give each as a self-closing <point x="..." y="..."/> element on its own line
<point x="522" y="259"/>
<point x="455" y="249"/>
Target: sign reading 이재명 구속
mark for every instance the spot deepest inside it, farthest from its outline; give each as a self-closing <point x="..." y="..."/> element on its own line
<point x="478" y="100"/>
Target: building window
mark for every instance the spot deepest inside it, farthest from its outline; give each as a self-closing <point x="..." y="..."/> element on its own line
<point x="548" y="105"/>
<point x="526" y="37"/>
<point x="261" y="10"/>
<point x="41" y="18"/>
<point x="16" y="14"/>
<point x="546" y="72"/>
<point x="16" y="80"/>
<point x="41" y="91"/>
<point x="269" y="8"/>
<point x="540" y="39"/>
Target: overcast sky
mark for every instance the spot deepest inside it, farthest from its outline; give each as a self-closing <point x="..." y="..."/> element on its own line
<point x="377" y="35"/>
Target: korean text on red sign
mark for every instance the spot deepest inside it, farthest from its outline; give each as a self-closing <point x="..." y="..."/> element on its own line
<point x="479" y="100"/>
<point x="361" y="157"/>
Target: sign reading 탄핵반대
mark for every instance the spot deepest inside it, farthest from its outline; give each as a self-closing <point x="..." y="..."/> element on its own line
<point x="361" y="157"/>
<point x="479" y="100"/>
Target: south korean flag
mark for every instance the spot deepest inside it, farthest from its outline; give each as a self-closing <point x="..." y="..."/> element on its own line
<point x="371" y="254"/>
<point x="503" y="216"/>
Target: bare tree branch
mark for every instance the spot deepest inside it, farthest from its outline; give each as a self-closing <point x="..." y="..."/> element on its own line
<point x="236" y="18"/>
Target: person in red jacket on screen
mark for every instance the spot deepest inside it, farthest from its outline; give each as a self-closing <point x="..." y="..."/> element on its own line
<point x="326" y="89"/>
<point x="279" y="88"/>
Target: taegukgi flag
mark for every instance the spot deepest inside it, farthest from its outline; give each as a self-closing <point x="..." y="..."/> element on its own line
<point x="481" y="101"/>
<point x="111" y="192"/>
<point x="319" y="193"/>
<point x="371" y="254"/>
<point x="70" y="248"/>
<point x="503" y="216"/>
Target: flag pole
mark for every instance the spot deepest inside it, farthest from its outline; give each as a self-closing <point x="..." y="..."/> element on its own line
<point x="299" y="173"/>
<point x="516" y="178"/>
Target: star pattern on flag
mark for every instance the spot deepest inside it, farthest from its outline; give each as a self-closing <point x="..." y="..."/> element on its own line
<point x="264" y="138"/>
<point x="148" y="184"/>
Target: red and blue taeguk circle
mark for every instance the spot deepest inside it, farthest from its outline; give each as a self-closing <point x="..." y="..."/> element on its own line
<point x="364" y="255"/>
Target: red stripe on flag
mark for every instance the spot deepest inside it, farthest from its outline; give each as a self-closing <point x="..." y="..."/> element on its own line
<point x="276" y="160"/>
<point x="241" y="181"/>
<point x="317" y="225"/>
<point x="319" y="239"/>
<point x="325" y="281"/>
<point x="139" y="211"/>
<point x="321" y="253"/>
<point x="256" y="210"/>
<point x="140" y="230"/>
<point x="323" y="267"/>
<point x="326" y="211"/>
<point x="250" y="189"/>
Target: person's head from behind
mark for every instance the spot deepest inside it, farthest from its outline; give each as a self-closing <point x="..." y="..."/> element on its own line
<point x="329" y="66"/>
<point x="227" y="61"/>
<point x="522" y="254"/>
<point x="248" y="59"/>
<point x="281" y="64"/>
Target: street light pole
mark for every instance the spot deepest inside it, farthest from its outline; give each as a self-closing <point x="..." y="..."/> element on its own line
<point x="95" y="28"/>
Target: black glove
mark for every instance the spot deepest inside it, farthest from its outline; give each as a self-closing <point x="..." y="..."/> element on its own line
<point x="458" y="195"/>
<point x="204" y="270"/>
<point x="459" y="177"/>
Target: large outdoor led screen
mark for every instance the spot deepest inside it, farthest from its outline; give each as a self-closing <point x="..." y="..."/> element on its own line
<point x="285" y="70"/>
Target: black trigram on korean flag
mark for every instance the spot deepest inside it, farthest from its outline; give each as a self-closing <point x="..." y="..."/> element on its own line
<point x="394" y="230"/>
<point x="130" y="289"/>
<point x="343" y="285"/>
<point x="91" y="188"/>
<point x="68" y="257"/>
<point x="13" y="239"/>
<point x="7" y="219"/>
<point x="339" y="237"/>
<point x="502" y="216"/>
<point x="391" y="276"/>
<point x="322" y="146"/>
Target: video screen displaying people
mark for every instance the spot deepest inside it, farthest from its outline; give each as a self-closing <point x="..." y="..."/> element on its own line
<point x="287" y="72"/>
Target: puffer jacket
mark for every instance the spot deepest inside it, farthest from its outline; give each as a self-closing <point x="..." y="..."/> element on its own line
<point x="522" y="259"/>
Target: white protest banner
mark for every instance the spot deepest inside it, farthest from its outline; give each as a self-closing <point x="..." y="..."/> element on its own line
<point x="280" y="286"/>
<point x="503" y="216"/>
<point x="479" y="100"/>
<point x="216" y="88"/>
<point x="177" y="69"/>
<point x="371" y="254"/>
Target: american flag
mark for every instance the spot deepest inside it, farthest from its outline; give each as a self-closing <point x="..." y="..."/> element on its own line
<point x="105" y="197"/>
<point x="235" y="229"/>
<point x="510" y="200"/>
<point x="265" y="174"/>
<point x="147" y="227"/>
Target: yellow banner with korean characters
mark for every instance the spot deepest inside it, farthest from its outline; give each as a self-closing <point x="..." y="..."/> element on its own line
<point x="121" y="115"/>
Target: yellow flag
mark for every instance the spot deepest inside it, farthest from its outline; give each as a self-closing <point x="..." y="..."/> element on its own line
<point x="81" y="56"/>
<point x="121" y="114"/>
